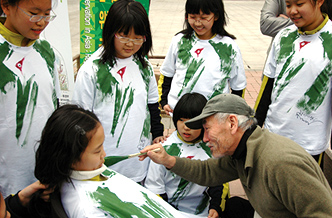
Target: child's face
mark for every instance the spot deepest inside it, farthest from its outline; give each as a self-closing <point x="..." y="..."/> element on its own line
<point x="202" y="24"/>
<point x="305" y="14"/>
<point x="127" y="49"/>
<point x="18" y="18"/>
<point x="187" y="134"/>
<point x="93" y="156"/>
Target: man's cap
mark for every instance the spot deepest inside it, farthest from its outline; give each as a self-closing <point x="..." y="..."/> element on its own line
<point x="223" y="103"/>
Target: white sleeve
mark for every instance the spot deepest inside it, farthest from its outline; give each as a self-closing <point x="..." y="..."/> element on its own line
<point x="168" y="67"/>
<point x="85" y="88"/>
<point x="153" y="88"/>
<point x="155" y="179"/>
<point x="270" y="65"/>
<point x="238" y="80"/>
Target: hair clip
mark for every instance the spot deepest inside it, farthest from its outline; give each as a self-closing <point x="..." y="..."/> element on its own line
<point x="80" y="130"/>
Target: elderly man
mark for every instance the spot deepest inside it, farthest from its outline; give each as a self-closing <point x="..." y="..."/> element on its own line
<point x="279" y="177"/>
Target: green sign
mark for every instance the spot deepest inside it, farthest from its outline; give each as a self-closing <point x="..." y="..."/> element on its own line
<point x="92" y="18"/>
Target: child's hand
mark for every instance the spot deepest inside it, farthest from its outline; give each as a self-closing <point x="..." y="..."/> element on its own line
<point x="213" y="213"/>
<point x="159" y="139"/>
<point x="168" y="109"/>
<point x="25" y="195"/>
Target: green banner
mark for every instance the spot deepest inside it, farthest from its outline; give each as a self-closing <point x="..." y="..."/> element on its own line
<point x="92" y="18"/>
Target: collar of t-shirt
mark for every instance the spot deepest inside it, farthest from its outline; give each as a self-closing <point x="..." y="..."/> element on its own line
<point x="241" y="150"/>
<point x="311" y="32"/>
<point x="94" y="175"/>
<point x="13" y="38"/>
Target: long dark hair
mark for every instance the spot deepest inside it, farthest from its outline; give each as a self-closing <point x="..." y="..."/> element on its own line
<point x="326" y="7"/>
<point x="64" y="138"/>
<point x="122" y="17"/>
<point x="207" y="6"/>
<point x="189" y="106"/>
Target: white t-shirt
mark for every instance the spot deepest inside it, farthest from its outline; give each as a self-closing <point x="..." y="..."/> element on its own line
<point x="186" y="196"/>
<point x="119" y="97"/>
<point x="29" y="89"/>
<point x="300" y="106"/>
<point x="209" y="67"/>
<point x="117" y="196"/>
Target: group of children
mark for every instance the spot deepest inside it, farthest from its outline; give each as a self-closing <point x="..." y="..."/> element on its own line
<point x="118" y="112"/>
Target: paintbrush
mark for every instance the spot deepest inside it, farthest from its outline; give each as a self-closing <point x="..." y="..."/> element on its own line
<point x="111" y="160"/>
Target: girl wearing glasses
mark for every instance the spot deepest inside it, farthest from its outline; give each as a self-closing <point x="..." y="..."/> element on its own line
<point x="117" y="83"/>
<point x="202" y="58"/>
<point x="28" y="89"/>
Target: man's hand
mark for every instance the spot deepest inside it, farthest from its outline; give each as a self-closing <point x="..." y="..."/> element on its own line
<point x="159" y="157"/>
<point x="25" y="195"/>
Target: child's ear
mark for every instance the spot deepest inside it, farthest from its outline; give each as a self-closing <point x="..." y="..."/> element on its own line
<point x="319" y="3"/>
<point x="5" y="6"/>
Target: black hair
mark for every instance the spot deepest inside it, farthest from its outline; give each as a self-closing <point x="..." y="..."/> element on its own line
<point x="326" y="7"/>
<point x="122" y="17"/>
<point x="189" y="106"/>
<point x="63" y="140"/>
<point x="207" y="7"/>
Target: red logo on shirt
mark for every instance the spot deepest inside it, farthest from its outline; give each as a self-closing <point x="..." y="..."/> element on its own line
<point x="121" y="72"/>
<point x="199" y="51"/>
<point x="304" y="43"/>
<point x="190" y="157"/>
<point x="19" y="65"/>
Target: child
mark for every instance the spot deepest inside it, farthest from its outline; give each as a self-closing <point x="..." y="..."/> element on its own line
<point x="202" y="58"/>
<point x="185" y="142"/>
<point x="70" y="159"/>
<point x="295" y="96"/>
<point x="117" y="83"/>
<point x="29" y="88"/>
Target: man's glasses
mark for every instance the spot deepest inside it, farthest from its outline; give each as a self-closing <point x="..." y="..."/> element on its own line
<point x="201" y="21"/>
<point x="37" y="18"/>
<point x="125" y="40"/>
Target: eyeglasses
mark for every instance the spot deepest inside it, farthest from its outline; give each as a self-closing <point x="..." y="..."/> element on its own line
<point x="201" y="21"/>
<point x="37" y="18"/>
<point x="125" y="40"/>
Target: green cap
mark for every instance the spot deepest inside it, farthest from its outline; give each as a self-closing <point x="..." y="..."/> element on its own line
<point x="223" y="103"/>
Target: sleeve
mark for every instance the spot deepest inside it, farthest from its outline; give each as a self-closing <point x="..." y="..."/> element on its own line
<point x="84" y="89"/>
<point x="168" y="67"/>
<point x="164" y="86"/>
<point x="270" y="23"/>
<point x="155" y="178"/>
<point x="15" y="208"/>
<point x="215" y="194"/>
<point x="157" y="128"/>
<point x="263" y="100"/>
<point x="238" y="80"/>
<point x="301" y="186"/>
<point x="211" y="172"/>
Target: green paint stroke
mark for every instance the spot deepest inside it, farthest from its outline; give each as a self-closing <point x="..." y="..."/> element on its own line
<point x="315" y="95"/>
<point x="173" y="149"/>
<point x="46" y="52"/>
<point x="105" y="80"/>
<point x="191" y="71"/>
<point x="205" y="148"/>
<point x="121" y="108"/>
<point x="111" y="204"/>
<point x="292" y="72"/>
<point x="7" y="76"/>
<point x="287" y="45"/>
<point x="326" y="38"/>
<point x="147" y="124"/>
<point x="181" y="192"/>
<point x="185" y="46"/>
<point x="203" y="203"/>
<point x="226" y="55"/>
<point x="23" y="96"/>
<point x="146" y="73"/>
